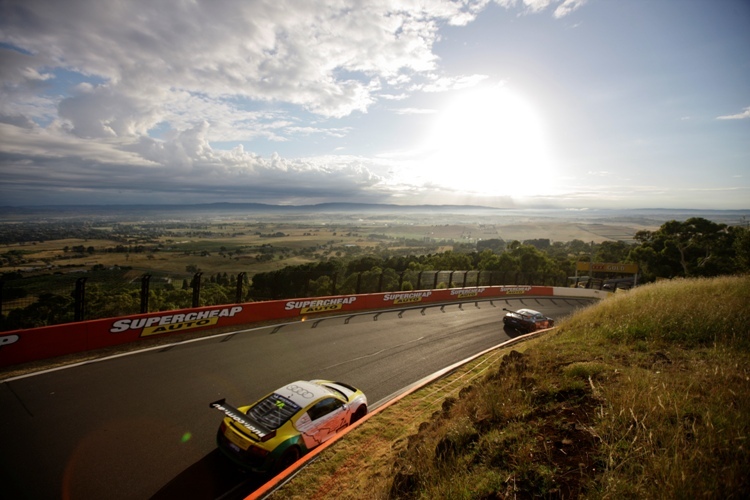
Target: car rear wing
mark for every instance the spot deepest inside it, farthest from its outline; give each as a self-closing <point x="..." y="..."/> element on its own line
<point x="239" y="417"/>
<point x="516" y="312"/>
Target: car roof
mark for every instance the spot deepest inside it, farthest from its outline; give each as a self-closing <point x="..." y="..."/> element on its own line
<point x="304" y="392"/>
<point x="529" y="312"/>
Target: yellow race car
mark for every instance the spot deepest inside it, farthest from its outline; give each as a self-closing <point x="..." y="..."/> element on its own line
<point x="274" y="432"/>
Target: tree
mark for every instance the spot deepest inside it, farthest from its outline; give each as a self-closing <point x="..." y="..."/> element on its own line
<point x="741" y="248"/>
<point x="695" y="247"/>
<point x="104" y="303"/>
<point x="450" y="261"/>
<point x="49" y="309"/>
<point x="494" y="244"/>
<point x="487" y="260"/>
<point x="214" y="294"/>
<point x="577" y="247"/>
<point x="320" y="287"/>
<point x="363" y="264"/>
<point x="612" y="251"/>
<point x="539" y="243"/>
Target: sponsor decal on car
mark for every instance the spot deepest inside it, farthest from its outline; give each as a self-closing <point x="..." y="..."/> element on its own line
<point x="464" y="293"/>
<point x="406" y="298"/>
<point x="169" y="323"/>
<point x="515" y="290"/>
<point x="237" y="416"/>
<point x="318" y="306"/>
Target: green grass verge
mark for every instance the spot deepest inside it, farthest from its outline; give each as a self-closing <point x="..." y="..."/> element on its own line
<point x="644" y="395"/>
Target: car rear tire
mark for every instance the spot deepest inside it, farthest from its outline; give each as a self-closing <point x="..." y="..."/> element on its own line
<point x="361" y="412"/>
<point x="290" y="455"/>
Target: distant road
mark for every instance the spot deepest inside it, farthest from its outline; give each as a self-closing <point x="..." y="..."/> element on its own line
<point x="139" y="425"/>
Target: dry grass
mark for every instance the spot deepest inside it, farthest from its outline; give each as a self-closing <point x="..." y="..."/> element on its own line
<point x="645" y="395"/>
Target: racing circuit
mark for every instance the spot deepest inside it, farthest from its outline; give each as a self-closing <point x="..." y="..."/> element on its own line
<point x="139" y="425"/>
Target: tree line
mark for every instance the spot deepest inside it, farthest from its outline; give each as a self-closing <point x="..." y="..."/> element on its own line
<point x="695" y="247"/>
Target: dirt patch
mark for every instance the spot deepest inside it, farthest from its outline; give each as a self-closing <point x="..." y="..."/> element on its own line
<point x="544" y="447"/>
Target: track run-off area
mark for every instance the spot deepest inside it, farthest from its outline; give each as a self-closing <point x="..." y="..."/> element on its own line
<point x="139" y="425"/>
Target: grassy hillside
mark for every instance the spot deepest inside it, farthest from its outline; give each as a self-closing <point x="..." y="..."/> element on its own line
<point x="645" y="395"/>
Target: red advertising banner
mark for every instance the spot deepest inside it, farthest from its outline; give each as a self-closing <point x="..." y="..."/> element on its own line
<point x="21" y="346"/>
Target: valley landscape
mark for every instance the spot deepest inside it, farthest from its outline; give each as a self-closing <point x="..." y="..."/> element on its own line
<point x="254" y="238"/>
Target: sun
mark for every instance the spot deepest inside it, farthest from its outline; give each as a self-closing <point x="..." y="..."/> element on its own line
<point x="489" y="142"/>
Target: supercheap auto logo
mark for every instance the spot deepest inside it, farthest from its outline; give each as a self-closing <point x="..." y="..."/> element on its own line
<point x="319" y="306"/>
<point x="8" y="339"/>
<point x="406" y="298"/>
<point x="169" y="323"/>
<point x="515" y="290"/>
<point x="464" y="293"/>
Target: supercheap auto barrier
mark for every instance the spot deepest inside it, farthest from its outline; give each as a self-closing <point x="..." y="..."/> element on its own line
<point x="21" y="346"/>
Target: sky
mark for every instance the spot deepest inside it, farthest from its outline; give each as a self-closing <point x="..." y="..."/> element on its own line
<point x="568" y="104"/>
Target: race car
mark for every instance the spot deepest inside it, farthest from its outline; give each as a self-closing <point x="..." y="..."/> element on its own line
<point x="527" y="320"/>
<point x="274" y="432"/>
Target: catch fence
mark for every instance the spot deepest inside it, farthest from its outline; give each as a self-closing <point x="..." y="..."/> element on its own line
<point x="60" y="298"/>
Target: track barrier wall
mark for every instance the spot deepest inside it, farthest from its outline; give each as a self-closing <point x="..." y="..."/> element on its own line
<point x="22" y="346"/>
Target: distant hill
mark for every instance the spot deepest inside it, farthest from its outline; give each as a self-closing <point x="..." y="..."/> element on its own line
<point x="240" y="207"/>
<point x="653" y="215"/>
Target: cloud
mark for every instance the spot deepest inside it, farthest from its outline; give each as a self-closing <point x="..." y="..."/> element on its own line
<point x="322" y="56"/>
<point x="567" y="7"/>
<point x="414" y="111"/>
<point x="739" y="116"/>
<point x="133" y="97"/>
<point x="185" y="165"/>
<point x="536" y="6"/>
<point x="444" y="83"/>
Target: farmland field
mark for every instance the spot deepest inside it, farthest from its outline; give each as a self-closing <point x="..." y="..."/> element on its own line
<point x="180" y="240"/>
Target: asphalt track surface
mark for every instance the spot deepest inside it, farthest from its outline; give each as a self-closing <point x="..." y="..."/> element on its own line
<point x="139" y="425"/>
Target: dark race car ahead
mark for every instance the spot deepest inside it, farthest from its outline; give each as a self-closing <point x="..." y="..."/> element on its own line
<point x="527" y="320"/>
<point x="274" y="432"/>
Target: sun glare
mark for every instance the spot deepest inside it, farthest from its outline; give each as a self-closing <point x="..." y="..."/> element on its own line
<point x="490" y="142"/>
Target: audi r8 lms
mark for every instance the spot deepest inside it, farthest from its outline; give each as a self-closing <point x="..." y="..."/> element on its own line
<point x="527" y="320"/>
<point x="274" y="432"/>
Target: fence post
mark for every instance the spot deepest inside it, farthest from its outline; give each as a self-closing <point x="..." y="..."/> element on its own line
<point x="238" y="295"/>
<point x="307" y="284"/>
<point x="479" y="278"/>
<point x="196" y="284"/>
<point x="401" y="281"/>
<point x="450" y="279"/>
<point x="145" y="279"/>
<point x="380" y="282"/>
<point x="333" y="284"/>
<point x="434" y="286"/>
<point x="2" y="283"/>
<point x="466" y="275"/>
<point x="419" y="280"/>
<point x="79" y="296"/>
<point x="359" y="282"/>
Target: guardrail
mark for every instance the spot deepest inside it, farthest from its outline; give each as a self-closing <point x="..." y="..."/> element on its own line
<point x="30" y="302"/>
<point x="21" y="346"/>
